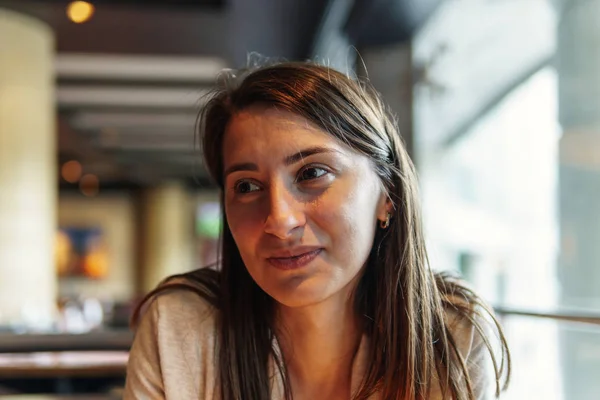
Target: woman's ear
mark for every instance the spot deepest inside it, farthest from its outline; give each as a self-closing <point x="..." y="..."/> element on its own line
<point x="384" y="207"/>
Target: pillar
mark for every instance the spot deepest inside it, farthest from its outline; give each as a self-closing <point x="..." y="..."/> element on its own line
<point x="28" y="179"/>
<point x="578" y="62"/>
<point x="168" y="233"/>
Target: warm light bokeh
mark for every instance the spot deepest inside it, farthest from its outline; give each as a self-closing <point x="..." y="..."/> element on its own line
<point x="89" y="185"/>
<point x="80" y="11"/>
<point x="71" y="171"/>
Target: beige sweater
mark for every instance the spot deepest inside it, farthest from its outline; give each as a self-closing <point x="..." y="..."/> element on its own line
<point x="173" y="354"/>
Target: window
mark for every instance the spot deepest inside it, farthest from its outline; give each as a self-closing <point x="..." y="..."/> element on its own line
<point x="490" y="210"/>
<point x="511" y="198"/>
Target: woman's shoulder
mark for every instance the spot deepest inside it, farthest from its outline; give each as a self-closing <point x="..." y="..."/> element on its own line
<point x="469" y="319"/>
<point x="477" y="335"/>
<point x="462" y="323"/>
<point x="173" y="352"/>
<point x="184" y="302"/>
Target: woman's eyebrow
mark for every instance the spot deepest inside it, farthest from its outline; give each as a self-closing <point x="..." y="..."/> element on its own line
<point x="294" y="158"/>
<point x="240" y="167"/>
<point x="288" y="160"/>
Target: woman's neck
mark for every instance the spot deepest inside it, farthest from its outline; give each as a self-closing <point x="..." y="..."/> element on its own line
<point x="319" y="343"/>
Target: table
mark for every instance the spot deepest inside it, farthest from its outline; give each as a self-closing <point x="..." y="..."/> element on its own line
<point x="71" y="364"/>
<point x="108" y="339"/>
<point x="55" y="397"/>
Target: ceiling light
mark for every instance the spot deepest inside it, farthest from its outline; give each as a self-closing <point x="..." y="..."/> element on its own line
<point x="80" y="11"/>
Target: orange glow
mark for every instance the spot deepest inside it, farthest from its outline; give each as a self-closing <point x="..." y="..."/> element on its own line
<point x="89" y="185"/>
<point x="63" y="249"/>
<point x="95" y="264"/>
<point x="71" y="171"/>
<point x="80" y="11"/>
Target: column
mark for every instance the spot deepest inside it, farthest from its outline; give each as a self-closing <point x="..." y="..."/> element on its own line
<point x="28" y="179"/>
<point x="168" y="233"/>
<point x="578" y="61"/>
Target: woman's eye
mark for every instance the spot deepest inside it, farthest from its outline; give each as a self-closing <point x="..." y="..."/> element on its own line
<point x="246" y="187"/>
<point x="311" y="173"/>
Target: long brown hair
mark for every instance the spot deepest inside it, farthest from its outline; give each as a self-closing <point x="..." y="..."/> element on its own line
<point x="406" y="305"/>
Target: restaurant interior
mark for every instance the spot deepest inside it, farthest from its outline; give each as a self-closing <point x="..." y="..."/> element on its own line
<point x="103" y="192"/>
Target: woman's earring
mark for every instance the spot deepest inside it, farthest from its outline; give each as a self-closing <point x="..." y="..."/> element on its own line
<point x="385" y="224"/>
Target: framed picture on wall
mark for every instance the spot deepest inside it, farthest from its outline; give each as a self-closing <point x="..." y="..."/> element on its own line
<point x="81" y="252"/>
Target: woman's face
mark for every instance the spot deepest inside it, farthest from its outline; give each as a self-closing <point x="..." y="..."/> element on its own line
<point x="302" y="207"/>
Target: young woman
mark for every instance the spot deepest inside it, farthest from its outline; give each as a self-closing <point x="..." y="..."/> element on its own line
<point x="323" y="289"/>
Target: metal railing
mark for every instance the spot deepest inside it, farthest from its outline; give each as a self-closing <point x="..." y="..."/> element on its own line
<point x="586" y="317"/>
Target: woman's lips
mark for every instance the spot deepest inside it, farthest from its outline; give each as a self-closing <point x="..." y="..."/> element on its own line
<point x="296" y="261"/>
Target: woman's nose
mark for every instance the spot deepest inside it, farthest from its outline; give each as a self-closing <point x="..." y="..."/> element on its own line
<point x="285" y="213"/>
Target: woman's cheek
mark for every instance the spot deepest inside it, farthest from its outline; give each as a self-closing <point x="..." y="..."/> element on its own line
<point x="243" y="225"/>
<point x="332" y="215"/>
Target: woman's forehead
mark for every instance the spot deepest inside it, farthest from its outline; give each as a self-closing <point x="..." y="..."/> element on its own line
<point x="258" y="129"/>
<point x="269" y="118"/>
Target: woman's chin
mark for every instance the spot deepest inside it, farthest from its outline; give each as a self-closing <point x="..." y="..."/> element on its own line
<point x="303" y="295"/>
<point x="299" y="296"/>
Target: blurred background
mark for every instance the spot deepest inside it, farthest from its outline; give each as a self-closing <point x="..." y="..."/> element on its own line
<point x="103" y="192"/>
